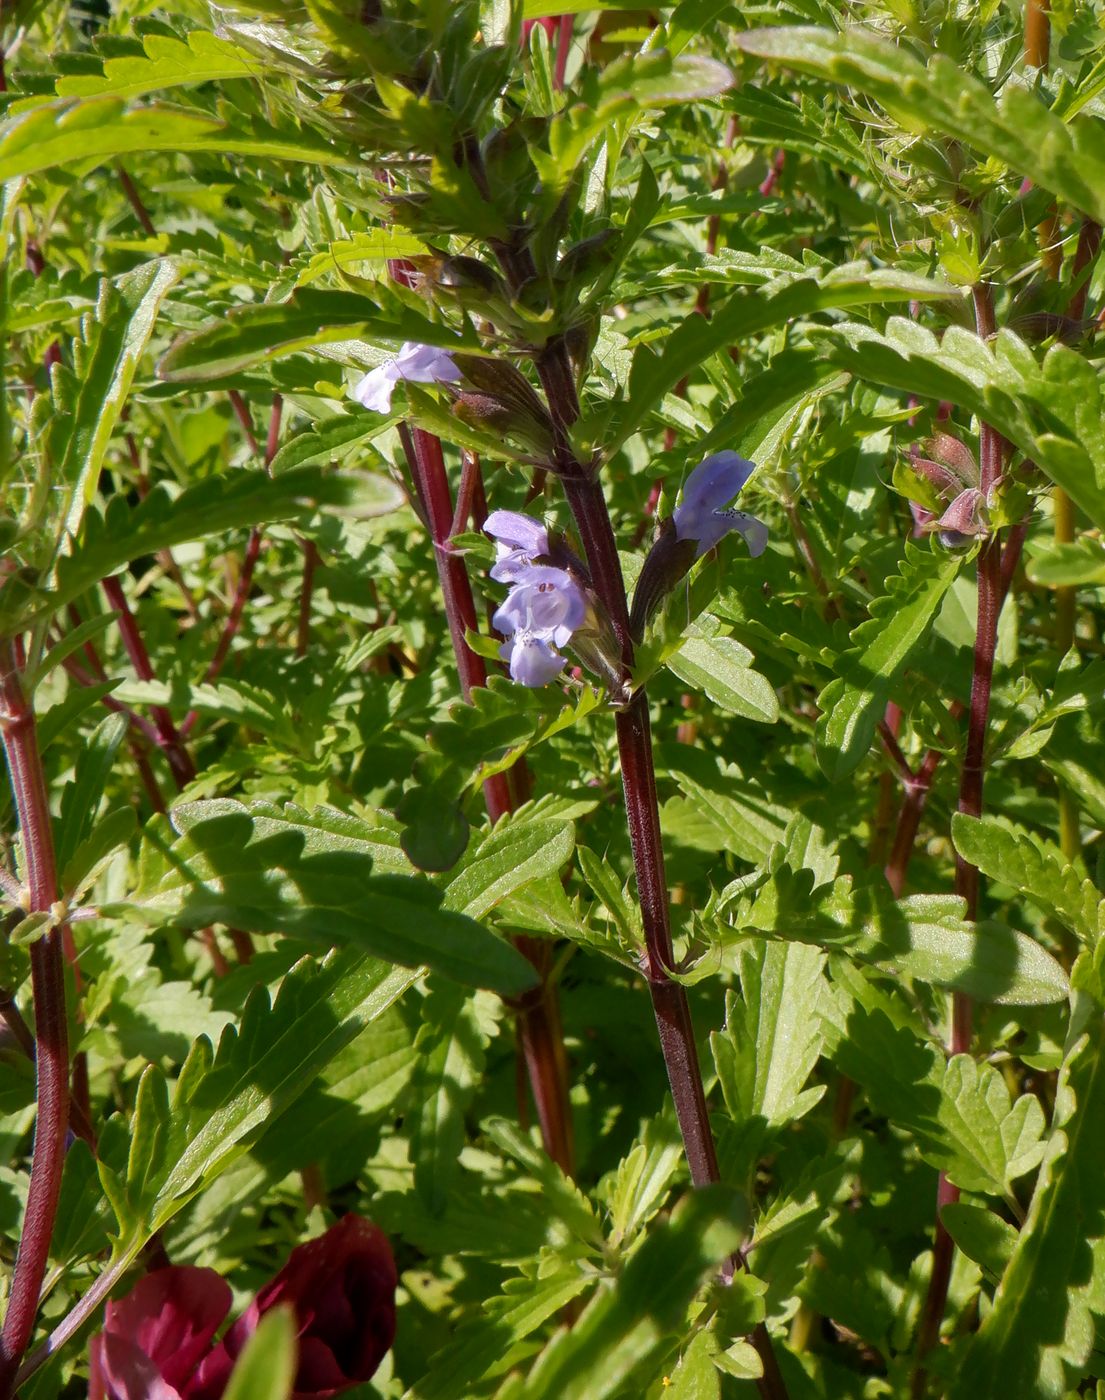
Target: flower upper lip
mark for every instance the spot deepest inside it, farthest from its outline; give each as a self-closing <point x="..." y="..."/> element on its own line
<point x="420" y="364"/>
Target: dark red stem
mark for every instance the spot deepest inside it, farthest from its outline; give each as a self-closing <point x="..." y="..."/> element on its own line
<point x="669" y="998"/>
<point x="538" y="1012"/>
<point x="168" y="737"/>
<point x="28" y="782"/>
<point x="134" y="199"/>
<point x="972" y="777"/>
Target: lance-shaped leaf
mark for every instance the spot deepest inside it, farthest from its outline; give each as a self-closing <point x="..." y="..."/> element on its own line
<point x="1067" y="158"/>
<point x="95" y="129"/>
<point x="852" y="704"/>
<point x="272" y="876"/>
<point x="199" y="57"/>
<point x="89" y="399"/>
<point x="123" y="532"/>
<point x="772" y="1034"/>
<point x="263" y="331"/>
<point x="745" y="314"/>
<point x="179" y="1141"/>
<point x="925" y="936"/>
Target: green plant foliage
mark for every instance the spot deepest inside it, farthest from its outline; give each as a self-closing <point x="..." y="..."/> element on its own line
<point x="719" y="1017"/>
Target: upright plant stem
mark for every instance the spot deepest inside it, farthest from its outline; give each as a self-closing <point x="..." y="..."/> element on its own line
<point x="538" y="1011"/>
<point x="990" y="597"/>
<point x="669" y="998"/>
<point x="169" y="738"/>
<point x="17" y="723"/>
<point x="253" y="546"/>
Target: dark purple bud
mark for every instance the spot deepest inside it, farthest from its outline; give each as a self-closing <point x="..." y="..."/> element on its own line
<point x="341" y="1287"/>
<point x="955" y="455"/>
<point x="967" y="514"/>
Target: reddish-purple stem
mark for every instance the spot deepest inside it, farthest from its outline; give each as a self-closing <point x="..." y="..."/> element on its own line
<point x="253" y="548"/>
<point x="167" y="736"/>
<point x="972" y="777"/>
<point x="669" y="998"/>
<point x="17" y="723"/>
<point x="772" y="177"/>
<point x="563" y="48"/>
<point x="538" y="1010"/>
<point x="134" y="199"/>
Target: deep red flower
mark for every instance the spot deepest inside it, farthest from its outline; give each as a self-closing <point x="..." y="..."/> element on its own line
<point x="157" y="1341"/>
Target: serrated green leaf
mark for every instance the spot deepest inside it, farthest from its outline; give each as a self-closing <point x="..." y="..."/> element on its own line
<point x="1039" y="1334"/>
<point x="492" y="1341"/>
<point x="772" y="1035"/>
<point x="1053" y="411"/>
<point x="160" y="521"/>
<point x="253" y="871"/>
<point x="219" y="1102"/>
<point x="113" y="345"/>
<point x="625" y="1332"/>
<point x="95" y="129"/>
<point x="1036" y="868"/>
<point x="960" y="1112"/>
<point x="1067" y="158"/>
<point x="721" y="668"/>
<point x="198" y="58"/>
<point x="508" y="858"/>
<point x="852" y="704"/>
<point x="260" y="332"/>
<point x="743" y="315"/>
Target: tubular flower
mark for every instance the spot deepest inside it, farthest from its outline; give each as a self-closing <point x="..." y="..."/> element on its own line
<point x="519" y="540"/>
<point x="544" y="607"/>
<point x="157" y="1341"/>
<point x="701" y="515"/>
<point x="421" y="364"/>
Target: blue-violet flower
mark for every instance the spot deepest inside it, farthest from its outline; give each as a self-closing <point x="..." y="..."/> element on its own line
<point x="421" y="364"/>
<point x="544" y="607"/>
<point x="701" y="515"/>
<point x="519" y="540"/>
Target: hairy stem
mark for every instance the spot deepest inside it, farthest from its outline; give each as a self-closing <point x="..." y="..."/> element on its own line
<point x="17" y="723"/>
<point x="972" y="777"/>
<point x="169" y="738"/>
<point x="538" y="1013"/>
<point x="669" y="998"/>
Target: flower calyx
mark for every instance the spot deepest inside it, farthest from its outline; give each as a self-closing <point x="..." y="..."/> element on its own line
<point x="699" y="522"/>
<point x="944" y="490"/>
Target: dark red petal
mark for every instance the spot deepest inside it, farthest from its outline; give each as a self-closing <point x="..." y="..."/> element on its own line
<point x="342" y="1288"/>
<point x="122" y="1371"/>
<point x="171" y="1317"/>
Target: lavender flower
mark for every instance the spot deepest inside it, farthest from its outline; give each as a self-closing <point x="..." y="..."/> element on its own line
<point x="421" y="364"/>
<point x="701" y="516"/>
<point x="544" y="607"/>
<point x="519" y="540"/>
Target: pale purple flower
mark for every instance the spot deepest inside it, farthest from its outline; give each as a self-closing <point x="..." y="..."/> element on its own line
<point x="702" y="515"/>
<point x="544" y="607"/>
<point x="421" y="364"/>
<point x="519" y="540"/>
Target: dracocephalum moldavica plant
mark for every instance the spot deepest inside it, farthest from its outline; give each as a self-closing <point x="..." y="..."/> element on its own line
<point x="403" y="745"/>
